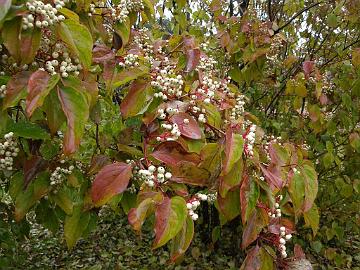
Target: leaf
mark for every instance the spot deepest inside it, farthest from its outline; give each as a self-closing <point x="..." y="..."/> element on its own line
<point x="230" y="205"/>
<point x="249" y="194"/>
<point x="213" y="116"/>
<point x="190" y="130"/>
<point x="78" y="39"/>
<point x="16" y="89"/>
<point x="332" y="20"/>
<point x="182" y="240"/>
<point x="253" y="227"/>
<point x="32" y="167"/>
<point x="187" y="173"/>
<point x="111" y="180"/>
<point x="39" y="85"/>
<point x="232" y="179"/>
<point x="76" y="109"/>
<point x="193" y="59"/>
<point x="11" y="34"/>
<point x="135" y="99"/>
<point x="54" y="114"/>
<point x="69" y="14"/>
<point x="30" y="43"/>
<point x="297" y="192"/>
<point x="5" y="6"/>
<point x="171" y="153"/>
<point x="258" y="258"/>
<point x="312" y="218"/>
<point x="34" y="192"/>
<point x="75" y="225"/>
<point x="311" y="186"/>
<point x="138" y="215"/>
<point x="28" y="130"/>
<point x="233" y="150"/>
<point x="125" y="76"/>
<point x="170" y="216"/>
<point x="63" y="200"/>
<point x="123" y="29"/>
<point x="271" y="177"/>
<point x="308" y="67"/>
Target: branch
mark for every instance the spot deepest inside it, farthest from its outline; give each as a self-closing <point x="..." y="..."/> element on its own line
<point x="297" y="15"/>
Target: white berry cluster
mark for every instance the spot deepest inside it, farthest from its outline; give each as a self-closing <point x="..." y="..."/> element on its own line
<point x="238" y="110"/>
<point x="123" y="9"/>
<point x="58" y="176"/>
<point x="132" y="189"/>
<point x="250" y="139"/>
<point x="42" y="15"/>
<point x="168" y="83"/>
<point x="8" y="150"/>
<point x="92" y="7"/>
<point x="205" y="46"/>
<point x="206" y="64"/>
<point x="153" y="175"/>
<point x="60" y="61"/>
<point x="282" y="241"/>
<point x="130" y="60"/>
<point x="192" y="205"/>
<point x="2" y="91"/>
<point x="172" y="132"/>
<point x="143" y="41"/>
<point x="276" y="213"/>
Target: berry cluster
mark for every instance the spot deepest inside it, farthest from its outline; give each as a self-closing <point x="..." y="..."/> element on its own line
<point x="276" y="213"/>
<point x="58" y="176"/>
<point x="60" y="60"/>
<point x="123" y="9"/>
<point x="42" y="15"/>
<point x="132" y="189"/>
<point x="238" y="110"/>
<point x="92" y="7"/>
<point x="130" y="60"/>
<point x="8" y="150"/>
<point x="206" y="64"/>
<point x="250" y="140"/>
<point x="194" y="203"/>
<point x="2" y="91"/>
<point x="142" y="40"/>
<point x="154" y="175"/>
<point x="167" y="82"/>
<point x="282" y="241"/>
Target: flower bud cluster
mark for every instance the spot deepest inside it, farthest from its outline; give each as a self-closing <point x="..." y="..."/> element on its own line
<point x="8" y="150"/>
<point x="42" y="15"/>
<point x="153" y="175"/>
<point x="168" y="83"/>
<point x="2" y="91"/>
<point x="130" y="60"/>
<point x="60" y="60"/>
<point x="282" y="241"/>
<point x="59" y="174"/>
<point x="123" y="9"/>
<point x="238" y="110"/>
<point x="250" y="139"/>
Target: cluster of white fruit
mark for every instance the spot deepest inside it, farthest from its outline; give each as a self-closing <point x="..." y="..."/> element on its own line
<point x="277" y="211"/>
<point x="8" y="150"/>
<point x="250" y="140"/>
<point x="142" y="40"/>
<point x="153" y="175"/>
<point x="205" y="46"/>
<point x="92" y="7"/>
<point x="172" y="134"/>
<point x="61" y="61"/>
<point x="168" y="83"/>
<point x="282" y="241"/>
<point x="58" y="176"/>
<point x="132" y="189"/>
<point x="206" y="64"/>
<point x="2" y="90"/>
<point x="194" y="203"/>
<point x="123" y="9"/>
<point x="169" y="111"/>
<point x="42" y="15"/>
<point x="130" y="60"/>
<point x="238" y="109"/>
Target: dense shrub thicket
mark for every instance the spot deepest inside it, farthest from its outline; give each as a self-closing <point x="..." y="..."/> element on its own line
<point x="225" y="114"/>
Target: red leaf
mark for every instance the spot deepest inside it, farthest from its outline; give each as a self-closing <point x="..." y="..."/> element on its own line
<point x="32" y="167"/>
<point x="186" y="172"/>
<point x="110" y="181"/>
<point x="298" y="252"/>
<point x="97" y="162"/>
<point x="271" y="177"/>
<point x="39" y="86"/>
<point x="134" y="100"/>
<point x="224" y="39"/>
<point x="102" y="54"/>
<point x="233" y="150"/>
<point x="162" y="215"/>
<point x="171" y="153"/>
<point x="191" y="129"/>
<point x="253" y="227"/>
<point x="193" y="58"/>
<point x="16" y="89"/>
<point x="308" y="67"/>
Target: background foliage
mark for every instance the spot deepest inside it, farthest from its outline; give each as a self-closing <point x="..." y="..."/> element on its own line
<point x="82" y="134"/>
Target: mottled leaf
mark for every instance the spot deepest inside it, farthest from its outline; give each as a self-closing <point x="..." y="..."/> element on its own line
<point x="190" y="130"/>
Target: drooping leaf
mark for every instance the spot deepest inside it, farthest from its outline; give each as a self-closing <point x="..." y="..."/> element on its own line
<point x="232" y="179"/>
<point x="11" y="34"/>
<point x="30" y="43"/>
<point x="182" y="240"/>
<point x="312" y="218"/>
<point x="170" y="216"/>
<point x="273" y="179"/>
<point x="28" y="130"/>
<point x="78" y="39"/>
<point x="135" y="99"/>
<point x="253" y="227"/>
<point x="54" y="114"/>
<point x="297" y="192"/>
<point x="233" y="150"/>
<point x="123" y="29"/>
<point x="171" y="153"/>
<point x="213" y="115"/>
<point x="5" y="6"/>
<point x="118" y="79"/>
<point x="187" y="173"/>
<point x="111" y="180"/>
<point x="249" y="194"/>
<point x="190" y="130"/>
<point x="39" y="85"/>
<point x="230" y="205"/>
<point x="76" y="109"/>
<point x="75" y="225"/>
<point x="16" y="89"/>
<point x="193" y="58"/>
<point x="258" y="258"/>
<point x="311" y="186"/>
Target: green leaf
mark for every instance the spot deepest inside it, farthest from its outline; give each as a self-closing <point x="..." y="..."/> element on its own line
<point x="16" y="89"/>
<point x="170" y="216"/>
<point x="123" y="29"/>
<point x="28" y="130"/>
<point x="75" y="225"/>
<point x="258" y="258"/>
<point x="11" y="34"/>
<point x="232" y="179"/>
<point x="312" y="218"/>
<point x="30" y="43"/>
<point x="233" y="150"/>
<point x="213" y="116"/>
<point x="138" y="215"/>
<point x="39" y="85"/>
<point x="311" y="186"/>
<point x="182" y="240"/>
<point x="135" y="100"/>
<point x="297" y="192"/>
<point x="76" y="109"/>
<point x="126" y="76"/>
<point x="78" y="39"/>
<point x="332" y="20"/>
<point x="249" y="194"/>
<point x="253" y="227"/>
<point x="69" y="14"/>
<point x="230" y="205"/>
<point x="54" y="114"/>
<point x="5" y="6"/>
<point x="63" y="199"/>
